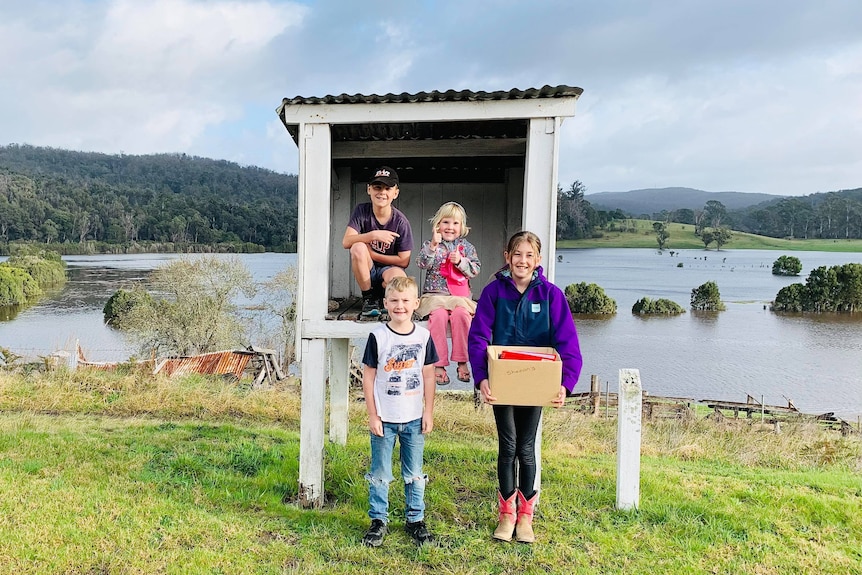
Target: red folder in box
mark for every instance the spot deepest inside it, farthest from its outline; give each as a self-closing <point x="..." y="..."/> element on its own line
<point x="527" y="355"/>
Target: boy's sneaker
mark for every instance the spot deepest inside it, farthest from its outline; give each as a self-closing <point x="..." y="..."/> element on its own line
<point x="419" y="532"/>
<point x="374" y="536"/>
<point x="370" y="307"/>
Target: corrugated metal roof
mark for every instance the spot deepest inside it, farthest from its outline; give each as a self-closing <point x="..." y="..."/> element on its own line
<point x="561" y="91"/>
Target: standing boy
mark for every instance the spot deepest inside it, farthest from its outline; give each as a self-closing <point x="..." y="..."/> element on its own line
<point x="398" y="382"/>
<point x="379" y="238"/>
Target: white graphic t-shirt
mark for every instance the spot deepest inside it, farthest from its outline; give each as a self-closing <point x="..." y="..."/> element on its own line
<point x="399" y="359"/>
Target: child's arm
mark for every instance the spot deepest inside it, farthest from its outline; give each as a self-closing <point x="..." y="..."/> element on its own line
<point x="430" y="389"/>
<point x="428" y="257"/>
<point x="481" y="329"/>
<point x="375" y="424"/>
<point x="565" y="337"/>
<point x="353" y="236"/>
<point x="469" y="263"/>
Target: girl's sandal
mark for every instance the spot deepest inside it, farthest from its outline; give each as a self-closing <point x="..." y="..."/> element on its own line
<point x="463" y="373"/>
<point x="440" y="376"/>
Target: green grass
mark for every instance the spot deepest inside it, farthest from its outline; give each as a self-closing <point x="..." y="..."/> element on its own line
<point x="682" y="237"/>
<point x="196" y="476"/>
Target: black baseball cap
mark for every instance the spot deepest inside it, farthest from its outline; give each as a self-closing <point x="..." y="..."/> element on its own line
<point x="386" y="176"/>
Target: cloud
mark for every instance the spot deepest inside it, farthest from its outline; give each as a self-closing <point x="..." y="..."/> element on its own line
<point x="137" y="76"/>
<point x="751" y="95"/>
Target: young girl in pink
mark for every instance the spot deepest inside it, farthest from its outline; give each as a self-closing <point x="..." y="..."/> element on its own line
<point x="449" y="262"/>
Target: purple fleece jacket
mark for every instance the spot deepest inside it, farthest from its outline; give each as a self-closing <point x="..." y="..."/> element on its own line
<point x="538" y="317"/>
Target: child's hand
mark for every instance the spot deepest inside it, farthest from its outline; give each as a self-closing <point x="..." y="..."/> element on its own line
<point x="436" y="237"/>
<point x="485" y="390"/>
<point x="427" y="423"/>
<point x="375" y="424"/>
<point x="560" y="400"/>
<point x="455" y="257"/>
<point x="383" y="236"/>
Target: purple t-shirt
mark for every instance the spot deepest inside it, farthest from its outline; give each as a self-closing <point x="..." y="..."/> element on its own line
<point x="363" y="221"/>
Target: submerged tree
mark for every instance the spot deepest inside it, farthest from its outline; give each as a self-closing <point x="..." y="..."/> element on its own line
<point x="706" y="297"/>
<point x="786" y="266"/>
<point x="192" y="310"/>
<point x="120" y="305"/>
<point x="832" y="289"/>
<point x="661" y="306"/>
<point x="589" y="298"/>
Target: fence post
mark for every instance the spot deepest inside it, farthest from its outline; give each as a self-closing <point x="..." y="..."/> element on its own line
<point x="595" y="394"/>
<point x="629" y="407"/>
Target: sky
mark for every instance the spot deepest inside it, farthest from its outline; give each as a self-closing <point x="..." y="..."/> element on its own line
<point x="732" y="95"/>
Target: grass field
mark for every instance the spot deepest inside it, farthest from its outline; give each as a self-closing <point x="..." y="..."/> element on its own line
<point x="130" y="474"/>
<point x="682" y="237"/>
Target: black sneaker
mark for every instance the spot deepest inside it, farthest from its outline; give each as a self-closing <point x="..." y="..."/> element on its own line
<point x="419" y="532"/>
<point x="374" y="536"/>
<point x="370" y="307"/>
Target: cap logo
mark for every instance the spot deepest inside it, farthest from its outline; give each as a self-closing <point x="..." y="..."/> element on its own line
<point x="384" y="173"/>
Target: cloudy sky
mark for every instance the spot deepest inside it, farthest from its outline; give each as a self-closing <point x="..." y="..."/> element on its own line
<point x="743" y="95"/>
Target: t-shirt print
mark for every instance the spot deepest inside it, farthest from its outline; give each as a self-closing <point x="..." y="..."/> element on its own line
<point x="403" y="377"/>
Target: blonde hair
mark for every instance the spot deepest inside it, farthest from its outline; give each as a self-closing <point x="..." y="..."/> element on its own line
<point x="451" y="210"/>
<point x="402" y="284"/>
<point x="524" y="236"/>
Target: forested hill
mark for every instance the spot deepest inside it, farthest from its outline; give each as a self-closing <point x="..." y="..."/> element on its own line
<point x="59" y="196"/>
<point x="653" y="200"/>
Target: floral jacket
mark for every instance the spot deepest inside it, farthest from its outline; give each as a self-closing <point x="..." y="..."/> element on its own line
<point x="431" y="261"/>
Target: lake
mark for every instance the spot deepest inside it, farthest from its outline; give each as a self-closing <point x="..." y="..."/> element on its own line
<point x="815" y="361"/>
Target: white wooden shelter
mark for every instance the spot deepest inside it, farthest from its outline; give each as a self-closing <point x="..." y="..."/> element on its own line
<point x="496" y="153"/>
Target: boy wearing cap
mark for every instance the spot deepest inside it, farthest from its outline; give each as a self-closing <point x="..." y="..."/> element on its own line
<point x="380" y="240"/>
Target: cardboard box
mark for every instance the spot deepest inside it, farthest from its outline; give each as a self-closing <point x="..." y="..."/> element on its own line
<point x="521" y="381"/>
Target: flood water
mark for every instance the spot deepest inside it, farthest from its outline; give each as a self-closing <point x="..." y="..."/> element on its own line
<point x="813" y="360"/>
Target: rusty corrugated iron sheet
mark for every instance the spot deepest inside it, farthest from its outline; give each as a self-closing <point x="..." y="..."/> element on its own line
<point x="231" y="362"/>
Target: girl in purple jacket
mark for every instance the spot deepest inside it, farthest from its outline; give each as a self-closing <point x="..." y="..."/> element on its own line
<point x="521" y="307"/>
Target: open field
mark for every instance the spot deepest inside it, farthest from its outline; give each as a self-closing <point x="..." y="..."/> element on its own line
<point x="682" y="237"/>
<point x="110" y="473"/>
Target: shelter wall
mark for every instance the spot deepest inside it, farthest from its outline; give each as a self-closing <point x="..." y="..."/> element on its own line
<point x="494" y="212"/>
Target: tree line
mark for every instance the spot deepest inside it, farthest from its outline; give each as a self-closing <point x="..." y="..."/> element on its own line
<point x="67" y="198"/>
<point x="55" y="196"/>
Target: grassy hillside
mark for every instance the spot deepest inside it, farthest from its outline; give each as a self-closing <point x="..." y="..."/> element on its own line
<point x="682" y="237"/>
<point x="129" y="474"/>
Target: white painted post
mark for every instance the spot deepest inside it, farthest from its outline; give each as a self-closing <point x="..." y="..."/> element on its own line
<point x="629" y="439"/>
<point x="540" y="187"/>
<point x="339" y="389"/>
<point x="312" y="422"/>
<point x="312" y="254"/>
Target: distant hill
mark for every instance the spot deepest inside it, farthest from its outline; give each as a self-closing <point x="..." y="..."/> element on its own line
<point x="649" y="201"/>
<point x="70" y="198"/>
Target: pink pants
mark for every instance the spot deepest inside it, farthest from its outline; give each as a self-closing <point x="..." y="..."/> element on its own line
<point x="460" y="320"/>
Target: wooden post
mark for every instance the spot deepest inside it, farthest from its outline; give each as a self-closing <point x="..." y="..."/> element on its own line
<point x="595" y="394"/>
<point x="339" y="390"/>
<point x="629" y="404"/>
<point x="311" y="423"/>
<point x="540" y="187"/>
<point x="315" y="153"/>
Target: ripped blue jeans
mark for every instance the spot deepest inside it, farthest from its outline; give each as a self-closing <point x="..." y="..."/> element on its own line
<point x="412" y="445"/>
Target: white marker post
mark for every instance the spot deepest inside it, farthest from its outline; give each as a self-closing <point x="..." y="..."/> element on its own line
<point x="629" y="439"/>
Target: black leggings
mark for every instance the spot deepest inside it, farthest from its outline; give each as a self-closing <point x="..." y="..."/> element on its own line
<point x="516" y="433"/>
